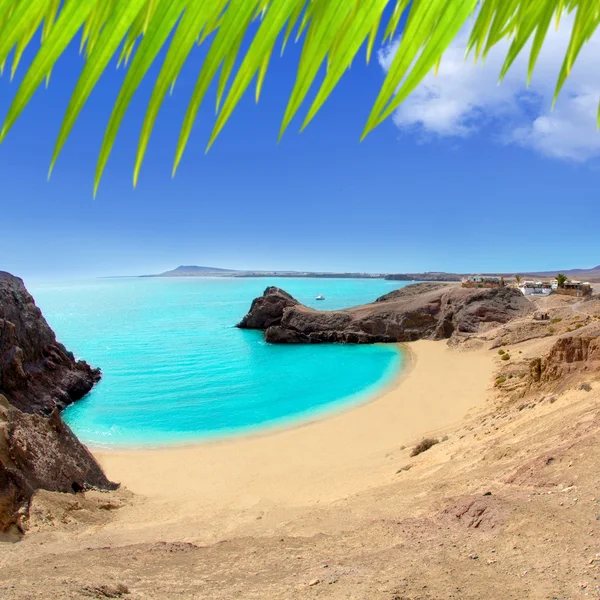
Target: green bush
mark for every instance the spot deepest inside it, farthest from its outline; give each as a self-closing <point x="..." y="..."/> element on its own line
<point x="500" y="380"/>
<point x="556" y="320"/>
<point x="501" y="352"/>
<point x="550" y="330"/>
<point x="505" y="357"/>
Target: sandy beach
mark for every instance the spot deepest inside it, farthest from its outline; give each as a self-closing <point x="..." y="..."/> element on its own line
<point x="231" y="482"/>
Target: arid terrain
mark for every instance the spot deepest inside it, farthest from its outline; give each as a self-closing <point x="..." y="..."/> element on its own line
<point x="506" y="504"/>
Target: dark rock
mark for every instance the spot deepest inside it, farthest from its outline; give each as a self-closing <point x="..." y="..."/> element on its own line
<point x="421" y="311"/>
<point x="278" y="335"/>
<point x="40" y="453"/>
<point x="38" y="376"/>
<point x="37" y="373"/>
<point x="267" y="310"/>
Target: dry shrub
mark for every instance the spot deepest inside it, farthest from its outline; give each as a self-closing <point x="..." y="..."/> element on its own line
<point x="424" y="445"/>
<point x="105" y="591"/>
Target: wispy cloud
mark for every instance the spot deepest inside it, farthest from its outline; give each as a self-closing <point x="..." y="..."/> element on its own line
<point x="464" y="99"/>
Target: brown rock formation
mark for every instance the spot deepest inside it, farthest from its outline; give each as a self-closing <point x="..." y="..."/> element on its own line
<point x="421" y="311"/>
<point x="38" y="376"/>
<point x="37" y="373"/>
<point x="40" y="453"/>
<point x="267" y="310"/>
<point x="571" y="353"/>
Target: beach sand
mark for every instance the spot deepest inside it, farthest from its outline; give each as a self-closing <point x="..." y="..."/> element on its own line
<point x="205" y="490"/>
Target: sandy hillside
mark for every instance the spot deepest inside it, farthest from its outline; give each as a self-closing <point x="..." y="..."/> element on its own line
<point x="506" y="506"/>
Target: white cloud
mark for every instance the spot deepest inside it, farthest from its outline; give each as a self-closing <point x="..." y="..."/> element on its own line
<point x="463" y="98"/>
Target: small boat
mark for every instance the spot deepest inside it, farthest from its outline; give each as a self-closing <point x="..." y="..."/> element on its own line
<point x="320" y="297"/>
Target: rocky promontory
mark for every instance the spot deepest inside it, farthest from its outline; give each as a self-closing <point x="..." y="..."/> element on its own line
<point x="421" y="311"/>
<point x="37" y="373"/>
<point x="38" y="376"/>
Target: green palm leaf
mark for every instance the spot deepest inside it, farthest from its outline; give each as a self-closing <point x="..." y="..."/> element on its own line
<point x="109" y="39"/>
<point x="68" y="24"/>
<point x="199" y="19"/>
<point x="241" y="35"/>
<point x="164" y="18"/>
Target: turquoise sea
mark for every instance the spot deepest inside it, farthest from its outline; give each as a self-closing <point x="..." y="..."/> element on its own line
<point x="176" y="370"/>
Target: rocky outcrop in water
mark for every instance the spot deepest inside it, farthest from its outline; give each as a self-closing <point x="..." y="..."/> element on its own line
<point x="267" y="310"/>
<point x="37" y="373"/>
<point x="421" y="311"/>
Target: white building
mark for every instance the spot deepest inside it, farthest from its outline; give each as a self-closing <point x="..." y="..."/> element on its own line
<point x="535" y="288"/>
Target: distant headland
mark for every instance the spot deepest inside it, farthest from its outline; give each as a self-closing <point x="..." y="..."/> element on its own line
<point x="590" y="274"/>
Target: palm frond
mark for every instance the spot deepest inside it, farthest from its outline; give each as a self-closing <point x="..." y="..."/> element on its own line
<point x="241" y="36"/>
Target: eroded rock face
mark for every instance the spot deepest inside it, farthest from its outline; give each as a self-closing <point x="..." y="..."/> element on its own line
<point x="572" y="353"/>
<point x="420" y="311"/>
<point x="37" y="373"/>
<point x="40" y="453"/>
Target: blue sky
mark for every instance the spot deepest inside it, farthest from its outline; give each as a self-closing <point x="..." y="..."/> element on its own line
<point x="466" y="177"/>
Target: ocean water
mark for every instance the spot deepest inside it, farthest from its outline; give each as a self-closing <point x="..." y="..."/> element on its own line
<point x="176" y="370"/>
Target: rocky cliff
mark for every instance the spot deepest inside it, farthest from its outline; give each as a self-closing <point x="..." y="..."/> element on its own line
<point x="40" y="453"/>
<point x="421" y="311"/>
<point x="37" y="373"/>
<point x="574" y="353"/>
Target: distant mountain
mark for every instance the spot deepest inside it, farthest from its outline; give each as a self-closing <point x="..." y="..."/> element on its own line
<point x="592" y="274"/>
<point x="429" y="276"/>
<point x="194" y="271"/>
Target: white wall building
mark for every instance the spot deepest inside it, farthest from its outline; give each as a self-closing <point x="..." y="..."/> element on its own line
<point x="535" y="288"/>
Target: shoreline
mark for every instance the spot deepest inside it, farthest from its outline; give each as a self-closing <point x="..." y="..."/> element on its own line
<point x="336" y="408"/>
<point x="227" y="483"/>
